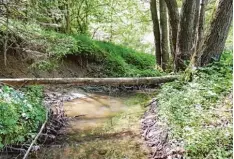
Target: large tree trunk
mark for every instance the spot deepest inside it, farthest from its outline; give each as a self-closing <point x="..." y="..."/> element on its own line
<point x="174" y="22"/>
<point x="218" y="33"/>
<point x="185" y="41"/>
<point x="90" y="81"/>
<point x="164" y="33"/>
<point x="156" y="29"/>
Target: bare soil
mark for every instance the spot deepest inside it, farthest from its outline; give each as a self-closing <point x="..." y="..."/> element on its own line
<point x="19" y="66"/>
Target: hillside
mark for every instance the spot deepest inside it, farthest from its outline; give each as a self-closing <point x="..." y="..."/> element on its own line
<point x="37" y="52"/>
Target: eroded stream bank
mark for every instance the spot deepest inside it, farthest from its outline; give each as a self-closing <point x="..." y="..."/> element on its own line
<point x="101" y="124"/>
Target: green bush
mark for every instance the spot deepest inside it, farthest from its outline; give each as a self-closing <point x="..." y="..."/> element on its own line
<point x="21" y="114"/>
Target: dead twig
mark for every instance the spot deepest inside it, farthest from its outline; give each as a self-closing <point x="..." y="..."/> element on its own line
<point x="35" y="139"/>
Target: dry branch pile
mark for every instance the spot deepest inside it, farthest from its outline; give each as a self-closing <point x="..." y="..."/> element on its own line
<point x="56" y="121"/>
<point x="155" y="135"/>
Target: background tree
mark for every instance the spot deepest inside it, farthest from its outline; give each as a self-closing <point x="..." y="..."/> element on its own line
<point x="156" y="30"/>
<point x="187" y="27"/>
<point x="174" y="22"/>
<point x="164" y="34"/>
<point x="201" y="22"/>
<point x="186" y="34"/>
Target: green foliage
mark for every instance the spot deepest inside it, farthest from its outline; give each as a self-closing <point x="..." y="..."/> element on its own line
<point x="125" y="62"/>
<point x="137" y="59"/>
<point x="92" y="18"/>
<point x="21" y="114"/>
<point x="195" y="111"/>
<point x="45" y="65"/>
<point x="123" y="22"/>
<point x="115" y="60"/>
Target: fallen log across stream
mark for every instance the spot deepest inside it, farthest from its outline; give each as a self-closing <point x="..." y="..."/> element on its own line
<point x="90" y="81"/>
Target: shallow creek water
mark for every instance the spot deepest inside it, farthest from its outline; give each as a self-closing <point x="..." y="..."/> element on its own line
<point x="100" y="126"/>
<point x="92" y="111"/>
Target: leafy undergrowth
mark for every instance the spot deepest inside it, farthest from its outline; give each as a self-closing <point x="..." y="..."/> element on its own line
<point x="21" y="113"/>
<point x="114" y="60"/>
<point x="199" y="113"/>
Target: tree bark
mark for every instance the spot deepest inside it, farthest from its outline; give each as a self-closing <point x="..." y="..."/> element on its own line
<point x="90" y="81"/>
<point x="195" y="24"/>
<point x="200" y="36"/>
<point x="216" y="37"/>
<point x="174" y="22"/>
<point x="68" y="18"/>
<point x="156" y="29"/>
<point x="200" y="33"/>
<point x="164" y="34"/>
<point x="186" y="34"/>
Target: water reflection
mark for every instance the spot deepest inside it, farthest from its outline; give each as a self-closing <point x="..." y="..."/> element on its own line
<point x="92" y="111"/>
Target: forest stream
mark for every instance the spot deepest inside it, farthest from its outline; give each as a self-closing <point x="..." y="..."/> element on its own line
<point x="99" y="125"/>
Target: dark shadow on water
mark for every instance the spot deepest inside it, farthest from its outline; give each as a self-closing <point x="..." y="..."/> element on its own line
<point x="74" y="138"/>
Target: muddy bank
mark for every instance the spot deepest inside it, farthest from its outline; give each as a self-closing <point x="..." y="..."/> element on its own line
<point x="19" y="66"/>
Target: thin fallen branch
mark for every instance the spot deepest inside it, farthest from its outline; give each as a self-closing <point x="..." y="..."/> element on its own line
<point x="35" y="139"/>
<point x="16" y="149"/>
<point x="91" y="81"/>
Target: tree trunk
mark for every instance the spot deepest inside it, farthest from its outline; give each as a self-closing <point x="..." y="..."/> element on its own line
<point x="171" y="43"/>
<point x="200" y="36"/>
<point x="216" y="37"/>
<point x="6" y="37"/>
<point x="164" y="33"/>
<point x="90" y="81"/>
<point x="195" y="24"/>
<point x="186" y="34"/>
<point x="68" y="18"/>
<point x="201" y="23"/>
<point x="174" y="22"/>
<point x="156" y="29"/>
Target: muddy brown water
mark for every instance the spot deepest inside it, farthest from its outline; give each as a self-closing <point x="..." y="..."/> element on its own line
<point x="91" y="111"/>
